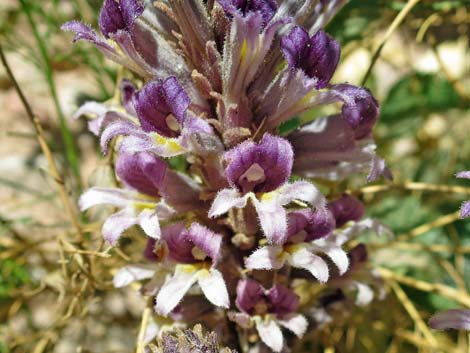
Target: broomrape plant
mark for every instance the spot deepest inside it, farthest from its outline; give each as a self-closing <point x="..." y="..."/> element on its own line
<point x="235" y="235"/>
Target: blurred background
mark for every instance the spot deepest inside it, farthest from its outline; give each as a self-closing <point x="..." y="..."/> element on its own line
<point x="414" y="56"/>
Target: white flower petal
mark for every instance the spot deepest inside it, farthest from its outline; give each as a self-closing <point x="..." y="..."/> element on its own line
<point x="148" y="220"/>
<point x="265" y="258"/>
<point x="213" y="286"/>
<point x="98" y="196"/>
<point x="301" y="190"/>
<point x="225" y="200"/>
<point x="364" y="295"/>
<point x="273" y="218"/>
<point x="337" y="255"/>
<point x="303" y="258"/>
<point x="270" y="333"/>
<point x="132" y="273"/>
<point x="295" y="323"/>
<point x="116" y="224"/>
<point x="174" y="290"/>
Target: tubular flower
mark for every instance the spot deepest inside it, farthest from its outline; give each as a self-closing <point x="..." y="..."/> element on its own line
<point x="195" y="131"/>
<point x="268" y="310"/>
<point x="196" y="250"/>
<point x="306" y="236"/>
<point x="142" y="176"/>
<point x="259" y="172"/>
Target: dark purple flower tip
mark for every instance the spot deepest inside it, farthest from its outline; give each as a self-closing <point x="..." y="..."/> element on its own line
<point x="179" y="247"/>
<point x="249" y="294"/>
<point x="149" y="252"/>
<point x="261" y="167"/>
<point x="282" y="300"/>
<point x="161" y="106"/>
<point x="357" y="255"/>
<point x="128" y="91"/>
<point x="267" y="8"/>
<point x="345" y="209"/>
<point x="119" y="15"/>
<point x="143" y="172"/>
<point x="316" y="56"/>
<point x="360" y="108"/>
<point x="313" y="224"/>
<point x="191" y="245"/>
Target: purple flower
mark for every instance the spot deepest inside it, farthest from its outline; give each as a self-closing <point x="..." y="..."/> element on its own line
<point x="269" y="309"/>
<point x="305" y="238"/>
<point x="345" y="209"/>
<point x="451" y="319"/>
<point x="259" y="172"/>
<point x="261" y="167"/>
<point x="328" y="148"/>
<point x="465" y="208"/>
<point x="161" y="107"/>
<point x="143" y="175"/>
<point x="196" y="250"/>
<point x="360" y="108"/>
<point x="266" y="8"/>
<point x="316" y="56"/>
<point x="167" y="128"/>
<point x="116" y="16"/>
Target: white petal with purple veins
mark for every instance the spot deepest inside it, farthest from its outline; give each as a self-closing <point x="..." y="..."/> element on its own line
<point x="174" y="289"/>
<point x="132" y="273"/>
<point x="270" y="333"/>
<point x="303" y="258"/>
<point x="295" y="323"/>
<point x="265" y="258"/>
<point x="213" y="286"/>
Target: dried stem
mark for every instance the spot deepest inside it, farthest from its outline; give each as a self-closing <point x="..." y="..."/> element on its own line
<point x="45" y="149"/>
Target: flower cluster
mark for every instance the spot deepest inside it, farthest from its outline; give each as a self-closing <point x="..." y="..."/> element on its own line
<point x="210" y="84"/>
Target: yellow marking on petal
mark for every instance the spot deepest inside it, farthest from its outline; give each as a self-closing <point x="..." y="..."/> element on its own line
<point x="268" y="196"/>
<point x="187" y="268"/>
<point x="171" y="144"/>
<point x="204" y="273"/>
<point x="243" y="49"/>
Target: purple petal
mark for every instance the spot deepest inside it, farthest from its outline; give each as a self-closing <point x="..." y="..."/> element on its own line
<point x="317" y="56"/>
<point x="115" y="16"/>
<point x="360" y="108"/>
<point x="261" y="167"/>
<point x="316" y="225"/>
<point x="283" y="300"/>
<point x="249" y="293"/>
<point x="161" y="106"/>
<point x="378" y="168"/>
<point x="465" y="209"/>
<point x="143" y="172"/>
<point x="451" y="319"/>
<point x="84" y="32"/>
<point x="463" y="175"/>
<point x="345" y="209"/>
<point x="116" y="126"/>
<point x="205" y="239"/>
